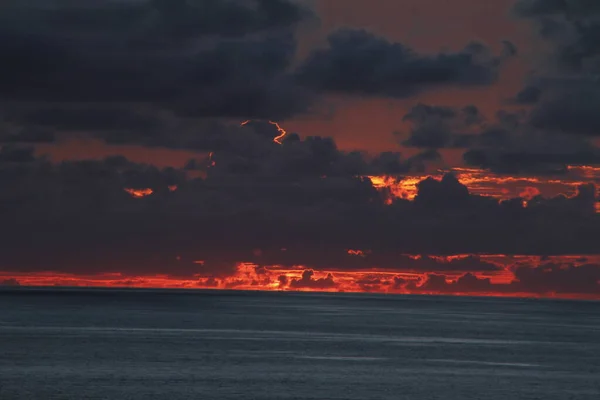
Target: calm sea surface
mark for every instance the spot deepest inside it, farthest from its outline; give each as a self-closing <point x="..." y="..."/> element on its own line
<point x="105" y="344"/>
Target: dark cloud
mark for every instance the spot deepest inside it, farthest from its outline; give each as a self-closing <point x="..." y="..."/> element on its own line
<point x="515" y="143"/>
<point x="528" y="161"/>
<point x="511" y="142"/>
<point x="571" y="27"/>
<point x="160" y="19"/>
<point x="399" y="282"/>
<point x="468" y="283"/>
<point x="308" y="282"/>
<point x="16" y="154"/>
<point x="509" y="49"/>
<point x="9" y="282"/>
<point x="567" y="81"/>
<point x="305" y="196"/>
<point x="441" y="127"/>
<point x="11" y="133"/>
<point x="528" y="95"/>
<point x="545" y="279"/>
<point x="283" y="280"/>
<point x="175" y="74"/>
<point x="573" y="110"/>
<point x="541" y="8"/>
<point x="158" y="73"/>
<point x="100" y="219"/>
<point x="201" y="57"/>
<point x="30" y="135"/>
<point x="248" y="179"/>
<point x="73" y="118"/>
<point x="448" y="192"/>
<point x="251" y="149"/>
<point x="361" y="63"/>
<point x="554" y="278"/>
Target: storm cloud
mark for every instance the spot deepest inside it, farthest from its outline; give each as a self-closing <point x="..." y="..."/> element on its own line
<point x="546" y="279"/>
<point x="361" y="63"/>
<point x="512" y="142"/>
<point x="567" y="89"/>
<point x="304" y="196"/>
<point x="204" y="57"/>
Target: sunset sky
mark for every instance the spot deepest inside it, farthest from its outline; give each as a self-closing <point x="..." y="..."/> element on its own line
<point x="414" y="146"/>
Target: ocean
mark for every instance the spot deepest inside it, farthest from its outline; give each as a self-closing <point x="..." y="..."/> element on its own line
<point x="168" y="344"/>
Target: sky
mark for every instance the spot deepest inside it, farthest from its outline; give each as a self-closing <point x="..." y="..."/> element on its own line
<point x="417" y="146"/>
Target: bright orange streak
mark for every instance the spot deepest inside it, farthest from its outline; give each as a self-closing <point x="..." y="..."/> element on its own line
<point x="139" y="193"/>
<point x="281" y="131"/>
<point x="357" y="253"/>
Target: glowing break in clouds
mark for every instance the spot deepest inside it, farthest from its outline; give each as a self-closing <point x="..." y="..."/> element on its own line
<point x="139" y="193"/>
<point x="502" y="187"/>
<point x="145" y="192"/>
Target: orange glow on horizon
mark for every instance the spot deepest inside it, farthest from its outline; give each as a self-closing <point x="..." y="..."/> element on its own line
<point x="253" y="277"/>
<point x="343" y="285"/>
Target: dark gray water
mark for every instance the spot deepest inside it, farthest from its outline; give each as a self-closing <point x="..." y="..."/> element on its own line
<point x="164" y="345"/>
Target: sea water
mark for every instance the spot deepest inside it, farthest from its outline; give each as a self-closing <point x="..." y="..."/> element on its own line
<point x="144" y="344"/>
